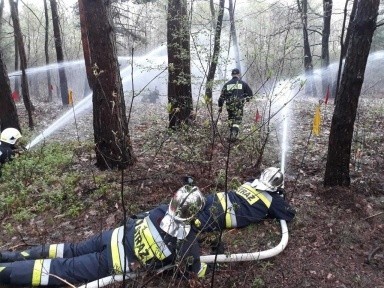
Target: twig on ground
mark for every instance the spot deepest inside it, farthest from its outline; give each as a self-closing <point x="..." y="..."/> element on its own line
<point x="374" y="215"/>
<point x="372" y="254"/>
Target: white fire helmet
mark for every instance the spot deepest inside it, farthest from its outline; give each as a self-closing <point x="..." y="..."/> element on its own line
<point x="184" y="206"/>
<point x="10" y="135"/>
<point x="270" y="180"/>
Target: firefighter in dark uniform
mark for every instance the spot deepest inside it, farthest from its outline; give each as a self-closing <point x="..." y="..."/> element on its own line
<point x="163" y="237"/>
<point x="8" y="139"/>
<point x="250" y="203"/>
<point x="234" y="93"/>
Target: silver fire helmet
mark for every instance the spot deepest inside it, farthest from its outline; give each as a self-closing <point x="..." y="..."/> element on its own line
<point x="270" y="180"/>
<point x="185" y="204"/>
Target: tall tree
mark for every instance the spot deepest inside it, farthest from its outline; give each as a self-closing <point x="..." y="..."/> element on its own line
<point x="344" y="42"/>
<point x="308" y="65"/>
<point x="112" y="141"/>
<point x="16" y="64"/>
<point x="233" y="37"/>
<point x="216" y="52"/>
<point x="1" y="16"/>
<point x="341" y="134"/>
<point x="179" y="64"/>
<point x="23" y="61"/>
<point x="46" y="51"/>
<point x="8" y="112"/>
<point x="327" y="13"/>
<point x="59" y="52"/>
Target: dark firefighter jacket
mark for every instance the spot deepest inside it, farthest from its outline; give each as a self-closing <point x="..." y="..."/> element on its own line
<point x="243" y="207"/>
<point x="6" y="152"/>
<point x="235" y="92"/>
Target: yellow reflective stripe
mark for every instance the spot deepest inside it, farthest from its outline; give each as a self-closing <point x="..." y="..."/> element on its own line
<point x="52" y="251"/>
<point x="230" y="216"/>
<point x="237" y="86"/>
<point x="252" y="195"/>
<point x="142" y="249"/>
<point x="36" y="273"/>
<point x="203" y="270"/>
<point x="148" y="242"/>
<point x="40" y="273"/>
<point x="116" y="264"/>
<point x="149" y="237"/>
<point x="165" y="252"/>
<point x="266" y="198"/>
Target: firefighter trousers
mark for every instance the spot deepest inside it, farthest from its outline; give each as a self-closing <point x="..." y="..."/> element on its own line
<point x="51" y="264"/>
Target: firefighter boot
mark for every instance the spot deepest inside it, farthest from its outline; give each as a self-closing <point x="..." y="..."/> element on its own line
<point x="234" y="131"/>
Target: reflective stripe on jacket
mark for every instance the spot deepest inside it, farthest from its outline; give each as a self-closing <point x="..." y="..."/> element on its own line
<point x="148" y="243"/>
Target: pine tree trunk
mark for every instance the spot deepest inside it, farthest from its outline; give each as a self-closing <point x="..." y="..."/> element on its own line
<point x="59" y="53"/>
<point x="343" y="120"/>
<point x="23" y="62"/>
<point x="46" y="51"/>
<point x="308" y="65"/>
<point x="327" y="13"/>
<point x="180" y="102"/>
<point x="216" y="52"/>
<point x="234" y="41"/>
<point x="112" y="141"/>
<point x="8" y="112"/>
<point x="1" y="17"/>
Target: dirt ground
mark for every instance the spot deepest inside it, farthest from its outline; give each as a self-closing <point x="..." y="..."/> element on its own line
<point x="335" y="240"/>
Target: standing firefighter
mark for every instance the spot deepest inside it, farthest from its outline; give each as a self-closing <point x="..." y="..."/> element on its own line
<point x="234" y="93"/>
<point x="163" y="237"/>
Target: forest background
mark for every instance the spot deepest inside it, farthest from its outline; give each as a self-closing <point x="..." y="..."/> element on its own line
<point x="336" y="236"/>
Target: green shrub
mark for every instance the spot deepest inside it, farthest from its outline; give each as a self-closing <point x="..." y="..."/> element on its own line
<point x="44" y="180"/>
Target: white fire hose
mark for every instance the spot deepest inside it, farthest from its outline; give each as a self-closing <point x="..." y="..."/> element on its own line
<point x="252" y="256"/>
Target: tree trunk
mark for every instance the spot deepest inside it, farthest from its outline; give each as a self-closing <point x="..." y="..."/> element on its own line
<point x="1" y="17"/>
<point x="59" y="53"/>
<point x="23" y="61"/>
<point x="344" y="43"/>
<point x="235" y="43"/>
<point x="308" y="65"/>
<point x="341" y="134"/>
<point x="112" y="141"/>
<point x="16" y="66"/>
<point x="46" y="51"/>
<point x="179" y="64"/>
<point x="327" y="13"/>
<point x="213" y="13"/>
<point x="216" y="52"/>
<point x="8" y="112"/>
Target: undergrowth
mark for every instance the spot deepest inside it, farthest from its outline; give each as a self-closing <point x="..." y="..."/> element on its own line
<point x="43" y="180"/>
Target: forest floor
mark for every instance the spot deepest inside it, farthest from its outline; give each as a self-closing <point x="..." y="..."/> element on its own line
<point x="335" y="240"/>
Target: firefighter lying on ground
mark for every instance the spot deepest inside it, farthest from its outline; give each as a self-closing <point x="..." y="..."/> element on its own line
<point x="163" y="237"/>
<point x="252" y="202"/>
